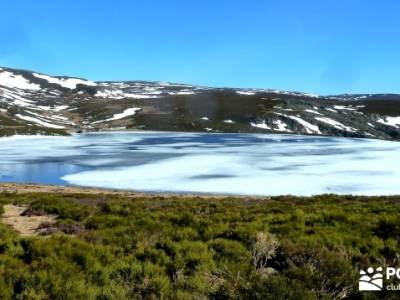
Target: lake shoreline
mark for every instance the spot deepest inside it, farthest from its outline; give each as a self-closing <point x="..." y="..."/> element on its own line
<point x="145" y="131"/>
<point x="26" y="188"/>
<point x="29" y="188"/>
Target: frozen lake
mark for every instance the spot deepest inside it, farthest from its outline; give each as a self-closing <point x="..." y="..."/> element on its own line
<point x="249" y="164"/>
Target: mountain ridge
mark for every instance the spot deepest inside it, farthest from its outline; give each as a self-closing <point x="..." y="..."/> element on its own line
<point x="35" y="103"/>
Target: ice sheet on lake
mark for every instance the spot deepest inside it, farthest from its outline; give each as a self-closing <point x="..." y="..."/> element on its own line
<point x="249" y="164"/>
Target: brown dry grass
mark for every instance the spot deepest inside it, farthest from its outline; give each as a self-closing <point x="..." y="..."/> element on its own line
<point x="23" y="188"/>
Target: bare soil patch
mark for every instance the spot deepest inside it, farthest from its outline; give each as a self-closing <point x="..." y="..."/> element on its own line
<point x="23" y="188"/>
<point x="24" y="225"/>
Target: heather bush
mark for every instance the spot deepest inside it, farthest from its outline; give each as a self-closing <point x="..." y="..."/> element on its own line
<point x="110" y="247"/>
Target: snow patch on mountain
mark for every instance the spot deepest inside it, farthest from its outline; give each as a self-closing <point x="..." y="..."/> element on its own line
<point x="262" y="125"/>
<point x="310" y="128"/>
<point x="281" y="126"/>
<point x="120" y="94"/>
<point x="12" y="80"/>
<point x="313" y="112"/>
<point x="183" y="92"/>
<point x="69" y="83"/>
<point x="342" y="107"/>
<point x="246" y="93"/>
<point x="55" y="108"/>
<point x="332" y="110"/>
<point x="39" y="122"/>
<point x="14" y="98"/>
<point x="126" y="113"/>
<point x="391" y="121"/>
<point x="335" y="124"/>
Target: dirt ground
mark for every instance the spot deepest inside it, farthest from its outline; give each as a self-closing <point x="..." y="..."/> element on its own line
<point x="22" y="188"/>
<point x="24" y="225"/>
<point x="39" y="188"/>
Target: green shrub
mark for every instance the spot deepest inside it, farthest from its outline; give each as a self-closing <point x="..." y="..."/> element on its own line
<point x="110" y="247"/>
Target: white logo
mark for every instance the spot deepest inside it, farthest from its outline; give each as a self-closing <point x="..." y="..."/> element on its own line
<point x="372" y="280"/>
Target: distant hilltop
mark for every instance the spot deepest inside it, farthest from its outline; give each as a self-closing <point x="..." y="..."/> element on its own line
<point x="36" y="103"/>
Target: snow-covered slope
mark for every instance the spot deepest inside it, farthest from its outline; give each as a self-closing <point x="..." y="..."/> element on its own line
<point x="31" y="102"/>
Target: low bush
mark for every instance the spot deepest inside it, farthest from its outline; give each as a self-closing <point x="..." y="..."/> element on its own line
<point x="110" y="247"/>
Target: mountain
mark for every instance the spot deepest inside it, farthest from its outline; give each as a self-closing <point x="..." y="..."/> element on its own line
<point x="35" y="103"/>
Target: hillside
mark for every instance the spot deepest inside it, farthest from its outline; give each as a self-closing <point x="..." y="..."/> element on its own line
<point x="104" y="246"/>
<point x="35" y="103"/>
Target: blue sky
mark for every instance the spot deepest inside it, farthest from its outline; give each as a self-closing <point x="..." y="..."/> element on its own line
<point x="323" y="47"/>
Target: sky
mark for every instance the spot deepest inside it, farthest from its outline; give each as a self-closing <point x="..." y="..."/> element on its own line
<point x="323" y="47"/>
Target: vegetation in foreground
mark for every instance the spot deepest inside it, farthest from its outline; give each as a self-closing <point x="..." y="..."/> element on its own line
<point x="110" y="247"/>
